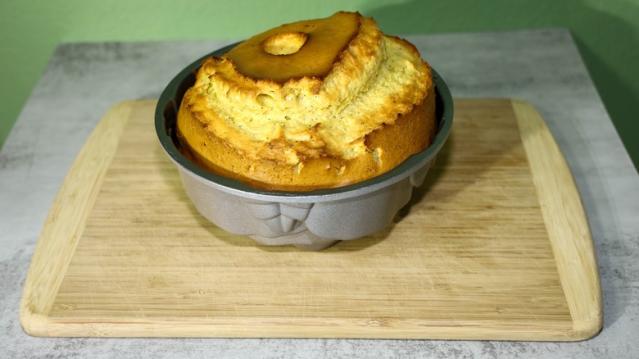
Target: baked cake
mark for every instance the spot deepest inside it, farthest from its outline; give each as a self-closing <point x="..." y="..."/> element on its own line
<point x="312" y="104"/>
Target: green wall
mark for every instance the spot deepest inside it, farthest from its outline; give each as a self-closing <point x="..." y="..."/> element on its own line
<point x="606" y="33"/>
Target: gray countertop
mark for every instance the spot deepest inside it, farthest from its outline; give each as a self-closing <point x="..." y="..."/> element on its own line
<point x="541" y="66"/>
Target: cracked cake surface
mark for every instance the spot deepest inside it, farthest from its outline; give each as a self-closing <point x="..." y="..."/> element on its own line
<point x="312" y="104"/>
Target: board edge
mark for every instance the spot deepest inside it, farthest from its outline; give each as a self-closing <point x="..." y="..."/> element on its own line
<point x="565" y="220"/>
<point x="306" y="328"/>
<point x="64" y="224"/>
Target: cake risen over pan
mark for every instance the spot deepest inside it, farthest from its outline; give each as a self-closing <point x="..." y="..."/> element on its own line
<point x="313" y="104"/>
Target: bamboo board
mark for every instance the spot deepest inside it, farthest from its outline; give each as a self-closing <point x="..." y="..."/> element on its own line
<point x="494" y="246"/>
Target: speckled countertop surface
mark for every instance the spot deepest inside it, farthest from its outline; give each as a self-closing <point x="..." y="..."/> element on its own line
<point x="541" y="66"/>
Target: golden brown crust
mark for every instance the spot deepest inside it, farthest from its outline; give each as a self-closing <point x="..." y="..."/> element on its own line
<point x="324" y="42"/>
<point x="373" y="109"/>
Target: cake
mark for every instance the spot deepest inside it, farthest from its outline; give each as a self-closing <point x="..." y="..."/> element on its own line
<point x="310" y="105"/>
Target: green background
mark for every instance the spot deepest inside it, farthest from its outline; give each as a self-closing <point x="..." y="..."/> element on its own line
<point x="606" y="33"/>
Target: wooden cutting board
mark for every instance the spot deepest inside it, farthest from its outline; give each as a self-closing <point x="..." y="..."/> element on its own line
<point x="494" y="246"/>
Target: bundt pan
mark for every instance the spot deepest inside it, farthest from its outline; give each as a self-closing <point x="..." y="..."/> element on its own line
<point x="309" y="220"/>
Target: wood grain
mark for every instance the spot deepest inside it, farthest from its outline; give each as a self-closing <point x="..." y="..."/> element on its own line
<point x="566" y="221"/>
<point x="472" y="258"/>
<point x="66" y="220"/>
